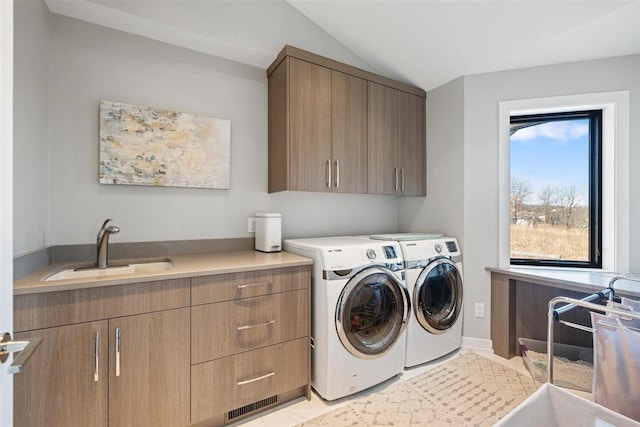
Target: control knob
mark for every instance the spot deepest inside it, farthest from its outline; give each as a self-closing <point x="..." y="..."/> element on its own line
<point x="371" y="254"/>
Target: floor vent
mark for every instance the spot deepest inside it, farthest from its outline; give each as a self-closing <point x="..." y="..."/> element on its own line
<point x="247" y="409"/>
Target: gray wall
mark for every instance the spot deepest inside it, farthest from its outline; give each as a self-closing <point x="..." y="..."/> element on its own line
<point x="443" y="208"/>
<point x="482" y="93"/>
<point x="89" y="63"/>
<point x="462" y="160"/>
<point x="31" y="125"/>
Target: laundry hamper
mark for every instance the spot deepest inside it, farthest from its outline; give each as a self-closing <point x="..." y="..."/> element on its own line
<point x="616" y="342"/>
<point x="616" y="346"/>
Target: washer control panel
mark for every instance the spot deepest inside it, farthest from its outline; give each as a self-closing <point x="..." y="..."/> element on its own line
<point x="390" y="252"/>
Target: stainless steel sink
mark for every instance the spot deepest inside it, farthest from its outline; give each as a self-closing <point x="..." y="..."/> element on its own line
<point x="116" y="269"/>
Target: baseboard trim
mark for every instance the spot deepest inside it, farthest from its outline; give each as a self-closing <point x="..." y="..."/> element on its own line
<point x="477" y="344"/>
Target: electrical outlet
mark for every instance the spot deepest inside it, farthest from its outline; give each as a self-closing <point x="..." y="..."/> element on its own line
<point x="252" y="225"/>
<point x="479" y="309"/>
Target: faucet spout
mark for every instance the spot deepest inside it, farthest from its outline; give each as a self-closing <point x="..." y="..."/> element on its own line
<point x="102" y="243"/>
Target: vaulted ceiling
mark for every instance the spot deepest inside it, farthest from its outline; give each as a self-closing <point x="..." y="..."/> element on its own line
<point x="426" y="43"/>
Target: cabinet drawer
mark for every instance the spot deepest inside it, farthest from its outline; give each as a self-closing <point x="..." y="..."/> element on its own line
<point x="233" y="382"/>
<point x="225" y="287"/>
<point x="230" y="327"/>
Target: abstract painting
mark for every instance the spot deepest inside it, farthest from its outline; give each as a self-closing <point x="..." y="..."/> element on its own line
<point x="148" y="146"/>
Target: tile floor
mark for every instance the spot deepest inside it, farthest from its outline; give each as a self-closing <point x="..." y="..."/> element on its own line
<point x="300" y="410"/>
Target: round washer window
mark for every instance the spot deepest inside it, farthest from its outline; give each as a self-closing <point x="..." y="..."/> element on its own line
<point x="372" y="312"/>
<point x="438" y="296"/>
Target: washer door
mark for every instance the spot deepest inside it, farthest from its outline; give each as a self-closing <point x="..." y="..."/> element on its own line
<point x="372" y="311"/>
<point x="437" y="297"/>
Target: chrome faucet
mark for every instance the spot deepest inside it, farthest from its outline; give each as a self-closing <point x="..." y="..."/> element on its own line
<point x="103" y="243"/>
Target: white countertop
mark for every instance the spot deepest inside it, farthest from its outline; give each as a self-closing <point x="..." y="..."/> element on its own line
<point x="184" y="266"/>
<point x="574" y="279"/>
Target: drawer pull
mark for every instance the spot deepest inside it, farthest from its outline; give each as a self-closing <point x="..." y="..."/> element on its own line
<point x="252" y="380"/>
<point x="268" y="322"/>
<point x="252" y="285"/>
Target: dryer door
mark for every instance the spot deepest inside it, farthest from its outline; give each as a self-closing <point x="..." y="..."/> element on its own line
<point x="437" y="296"/>
<point x="372" y="312"/>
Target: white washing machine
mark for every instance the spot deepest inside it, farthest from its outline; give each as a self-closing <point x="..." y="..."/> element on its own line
<point x="359" y="312"/>
<point x="433" y="266"/>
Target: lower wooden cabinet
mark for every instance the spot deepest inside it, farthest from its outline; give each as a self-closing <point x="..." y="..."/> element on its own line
<point x="81" y="376"/>
<point x="149" y="369"/>
<point x="65" y="382"/>
<point x="122" y="355"/>
<point x="247" y="324"/>
<point x="232" y="386"/>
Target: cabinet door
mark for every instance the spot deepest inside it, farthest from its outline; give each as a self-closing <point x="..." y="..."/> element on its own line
<point x="349" y="133"/>
<point x="383" y="134"/>
<point x="309" y="126"/>
<point x="65" y="382"/>
<point x="411" y="144"/>
<point x="149" y="369"/>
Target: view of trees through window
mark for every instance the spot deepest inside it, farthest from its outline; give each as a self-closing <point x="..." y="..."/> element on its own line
<point x="550" y="189"/>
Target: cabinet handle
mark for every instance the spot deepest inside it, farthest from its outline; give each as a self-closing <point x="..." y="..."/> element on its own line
<point x="329" y="173"/>
<point x="97" y="350"/>
<point x="117" y="352"/>
<point x="396" y="183"/>
<point x="267" y="323"/>
<point x="252" y="380"/>
<point x="402" y="175"/>
<point x="251" y="285"/>
<point x="337" y="173"/>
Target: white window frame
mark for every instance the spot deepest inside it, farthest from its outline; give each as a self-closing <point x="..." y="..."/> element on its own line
<point x="615" y="169"/>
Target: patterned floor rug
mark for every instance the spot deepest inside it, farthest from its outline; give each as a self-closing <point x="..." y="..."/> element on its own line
<point x="469" y="390"/>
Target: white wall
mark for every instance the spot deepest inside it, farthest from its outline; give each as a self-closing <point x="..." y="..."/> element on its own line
<point x="31" y="120"/>
<point x="482" y="93"/>
<point x="89" y="63"/>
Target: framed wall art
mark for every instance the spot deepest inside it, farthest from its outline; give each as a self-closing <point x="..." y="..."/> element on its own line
<point x="148" y="146"/>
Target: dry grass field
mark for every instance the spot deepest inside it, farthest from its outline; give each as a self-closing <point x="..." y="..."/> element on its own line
<point x="544" y="241"/>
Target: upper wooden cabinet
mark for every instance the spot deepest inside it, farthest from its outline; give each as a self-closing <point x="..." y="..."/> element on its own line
<point x="336" y="128"/>
<point x="349" y="133"/>
<point x="383" y="137"/>
<point x="411" y="144"/>
<point x="309" y="127"/>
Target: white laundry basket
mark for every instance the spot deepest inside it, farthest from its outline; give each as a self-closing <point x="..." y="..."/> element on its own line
<point x="551" y="406"/>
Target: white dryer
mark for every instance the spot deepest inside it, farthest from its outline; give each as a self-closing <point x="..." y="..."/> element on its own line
<point x="359" y="313"/>
<point x="433" y="269"/>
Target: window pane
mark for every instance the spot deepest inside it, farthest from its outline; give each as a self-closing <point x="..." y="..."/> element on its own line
<point x="550" y="190"/>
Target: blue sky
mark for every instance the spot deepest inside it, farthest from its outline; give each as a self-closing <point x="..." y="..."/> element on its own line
<point x="553" y="153"/>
